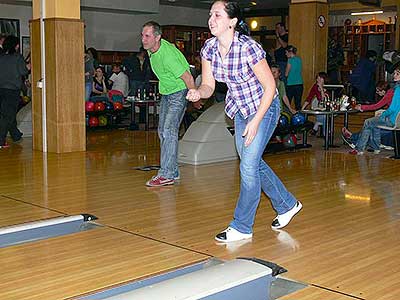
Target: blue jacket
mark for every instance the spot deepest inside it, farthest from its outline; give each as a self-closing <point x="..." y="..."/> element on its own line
<point x="394" y="107"/>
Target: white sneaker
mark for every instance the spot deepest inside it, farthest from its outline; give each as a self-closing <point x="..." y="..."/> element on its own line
<point x="282" y="220"/>
<point x="377" y="151"/>
<point x="232" y="235"/>
<point x="382" y="146"/>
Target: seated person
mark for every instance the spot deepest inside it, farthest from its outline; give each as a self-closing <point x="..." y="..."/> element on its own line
<point x="99" y="83"/>
<point x="119" y="80"/>
<point x="280" y="85"/>
<point x="352" y="138"/>
<point x="382" y="103"/>
<point x="315" y="96"/>
<point x="370" y="133"/>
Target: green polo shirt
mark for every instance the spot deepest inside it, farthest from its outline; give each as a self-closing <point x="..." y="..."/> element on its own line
<point x="168" y="63"/>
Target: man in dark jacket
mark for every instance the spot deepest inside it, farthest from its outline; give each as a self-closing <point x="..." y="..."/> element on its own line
<point x="13" y="68"/>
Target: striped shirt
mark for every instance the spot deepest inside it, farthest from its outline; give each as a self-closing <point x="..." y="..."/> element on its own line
<point x="244" y="89"/>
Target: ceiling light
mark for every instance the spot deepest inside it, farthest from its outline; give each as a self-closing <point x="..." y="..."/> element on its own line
<point x="367" y="13"/>
<point x="253" y="24"/>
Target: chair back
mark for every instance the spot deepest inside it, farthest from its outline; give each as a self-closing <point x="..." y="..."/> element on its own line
<point x="397" y="123"/>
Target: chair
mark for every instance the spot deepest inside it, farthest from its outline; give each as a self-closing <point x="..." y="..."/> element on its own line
<point x="396" y="136"/>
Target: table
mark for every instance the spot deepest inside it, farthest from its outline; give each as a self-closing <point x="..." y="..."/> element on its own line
<point x="147" y="102"/>
<point x="329" y="123"/>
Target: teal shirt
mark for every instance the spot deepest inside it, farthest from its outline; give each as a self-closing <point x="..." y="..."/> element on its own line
<point x="169" y="64"/>
<point x="394" y="107"/>
<point x="294" y="76"/>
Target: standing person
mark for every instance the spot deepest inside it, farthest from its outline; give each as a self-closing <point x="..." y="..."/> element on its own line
<point x="282" y="39"/>
<point x="89" y="73"/>
<point x="362" y="78"/>
<point x="294" y="77"/>
<point x="173" y="73"/>
<point x="13" y="68"/>
<point x="252" y="101"/>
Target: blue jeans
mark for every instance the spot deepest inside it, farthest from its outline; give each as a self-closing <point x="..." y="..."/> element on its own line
<point x="371" y="134"/>
<point x="88" y="90"/>
<point x="172" y="109"/>
<point x="255" y="174"/>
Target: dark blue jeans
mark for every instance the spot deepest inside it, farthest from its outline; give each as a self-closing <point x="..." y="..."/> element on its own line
<point x="296" y="92"/>
<point x="9" y="100"/>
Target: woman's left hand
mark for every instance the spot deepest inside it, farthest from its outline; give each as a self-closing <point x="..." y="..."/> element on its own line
<point x="250" y="132"/>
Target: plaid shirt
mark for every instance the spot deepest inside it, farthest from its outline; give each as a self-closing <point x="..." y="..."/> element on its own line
<point x="244" y="89"/>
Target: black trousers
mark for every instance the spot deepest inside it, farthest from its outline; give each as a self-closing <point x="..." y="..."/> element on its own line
<point x="296" y="92"/>
<point x="9" y="100"/>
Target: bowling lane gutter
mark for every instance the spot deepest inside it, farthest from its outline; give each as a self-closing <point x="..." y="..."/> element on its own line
<point x="114" y="228"/>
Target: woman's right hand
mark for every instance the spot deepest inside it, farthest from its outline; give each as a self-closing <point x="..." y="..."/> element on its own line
<point x="193" y="95"/>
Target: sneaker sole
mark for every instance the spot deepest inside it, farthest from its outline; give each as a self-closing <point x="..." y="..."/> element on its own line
<point x="350" y="144"/>
<point x="298" y="208"/>
<point x="232" y="241"/>
<point x="155" y="185"/>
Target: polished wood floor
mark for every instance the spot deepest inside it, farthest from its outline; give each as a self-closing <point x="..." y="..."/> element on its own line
<point x="344" y="244"/>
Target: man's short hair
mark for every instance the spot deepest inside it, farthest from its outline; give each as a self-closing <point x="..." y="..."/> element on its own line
<point x="276" y="66"/>
<point x="156" y="27"/>
<point x="281" y="24"/>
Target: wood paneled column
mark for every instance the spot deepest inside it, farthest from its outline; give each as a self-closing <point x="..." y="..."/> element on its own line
<point x="64" y="65"/>
<point x="308" y="32"/>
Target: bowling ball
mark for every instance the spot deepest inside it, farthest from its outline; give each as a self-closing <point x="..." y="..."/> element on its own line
<point x="93" y="121"/>
<point x="286" y="114"/>
<point x="99" y="106"/>
<point x="283" y="122"/>
<point x="89" y="106"/>
<point x="102" y="120"/>
<point x="118" y="106"/>
<point x="298" y="119"/>
<point x="109" y="106"/>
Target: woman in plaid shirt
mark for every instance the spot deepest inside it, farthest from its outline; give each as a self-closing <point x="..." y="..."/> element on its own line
<point x="252" y="100"/>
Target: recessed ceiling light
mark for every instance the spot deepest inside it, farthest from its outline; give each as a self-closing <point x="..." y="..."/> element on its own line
<point x="367" y="13"/>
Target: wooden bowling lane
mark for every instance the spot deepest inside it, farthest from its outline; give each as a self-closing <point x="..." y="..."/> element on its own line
<point x="345" y="239"/>
<point x="76" y="264"/>
<point x="315" y="293"/>
<point x="15" y="212"/>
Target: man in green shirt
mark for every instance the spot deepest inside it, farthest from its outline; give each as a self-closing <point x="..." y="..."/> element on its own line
<point x="172" y="71"/>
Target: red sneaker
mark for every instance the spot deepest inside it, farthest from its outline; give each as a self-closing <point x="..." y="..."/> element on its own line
<point x="346" y="133"/>
<point x="4" y="146"/>
<point x="356" y="152"/>
<point x="159" y="181"/>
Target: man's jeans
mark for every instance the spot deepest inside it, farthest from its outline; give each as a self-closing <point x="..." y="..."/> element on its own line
<point x="371" y="134"/>
<point x="172" y="109"/>
<point x="256" y="174"/>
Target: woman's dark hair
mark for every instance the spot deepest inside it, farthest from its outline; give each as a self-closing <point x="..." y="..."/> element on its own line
<point x="101" y="68"/>
<point x="10" y="43"/>
<point x="323" y="75"/>
<point x="234" y="11"/>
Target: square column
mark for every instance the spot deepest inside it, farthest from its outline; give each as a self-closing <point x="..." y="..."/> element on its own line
<point x="64" y="89"/>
